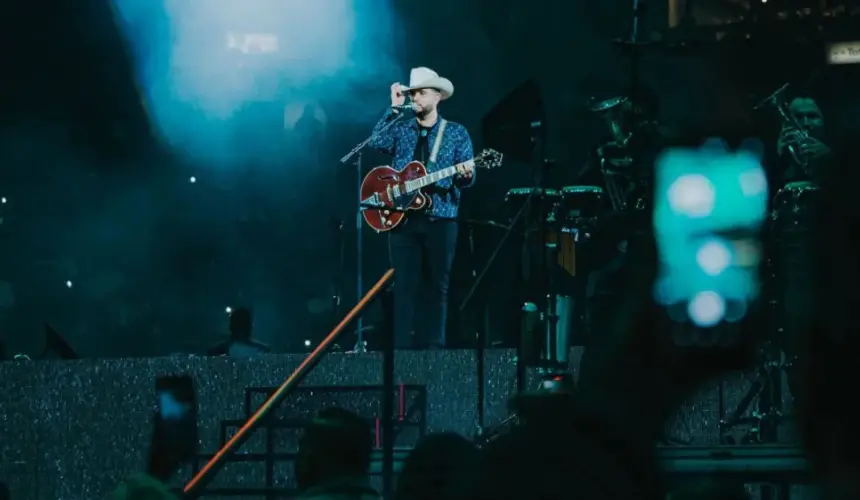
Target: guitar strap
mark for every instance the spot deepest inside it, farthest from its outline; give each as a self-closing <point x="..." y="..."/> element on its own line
<point x="438" y="142"/>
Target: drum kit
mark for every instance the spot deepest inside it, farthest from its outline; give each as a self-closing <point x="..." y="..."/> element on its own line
<point x="565" y="218"/>
<point x="562" y="225"/>
<point x="561" y="220"/>
<point x="565" y="222"/>
<point x="569" y="221"/>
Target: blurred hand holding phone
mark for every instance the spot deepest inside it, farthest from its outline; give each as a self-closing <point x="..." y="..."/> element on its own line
<point x="174" y="434"/>
<point x="710" y="205"/>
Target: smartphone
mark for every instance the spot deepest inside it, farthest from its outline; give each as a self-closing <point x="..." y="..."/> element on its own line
<point x="174" y="436"/>
<point x="710" y="204"/>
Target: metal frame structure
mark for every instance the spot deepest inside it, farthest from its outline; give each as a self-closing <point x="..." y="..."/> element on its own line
<point x="414" y="416"/>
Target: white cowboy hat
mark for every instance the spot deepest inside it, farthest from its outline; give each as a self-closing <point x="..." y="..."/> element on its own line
<point x="426" y="78"/>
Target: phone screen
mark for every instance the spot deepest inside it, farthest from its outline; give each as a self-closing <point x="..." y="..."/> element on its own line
<point x="710" y="206"/>
<point x="174" y="438"/>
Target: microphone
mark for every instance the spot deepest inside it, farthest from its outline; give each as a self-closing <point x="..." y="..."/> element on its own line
<point x="404" y="107"/>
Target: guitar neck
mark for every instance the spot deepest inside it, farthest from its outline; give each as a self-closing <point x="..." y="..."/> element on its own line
<point x="436" y="176"/>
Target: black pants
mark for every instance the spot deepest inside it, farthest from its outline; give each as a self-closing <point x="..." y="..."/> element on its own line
<point x="421" y="253"/>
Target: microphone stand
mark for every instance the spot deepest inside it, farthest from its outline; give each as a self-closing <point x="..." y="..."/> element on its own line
<point x="638" y="12"/>
<point x="480" y="348"/>
<point x="549" y="363"/>
<point x="481" y="320"/>
<point x="548" y="257"/>
<point x="356" y="152"/>
<point x="337" y="293"/>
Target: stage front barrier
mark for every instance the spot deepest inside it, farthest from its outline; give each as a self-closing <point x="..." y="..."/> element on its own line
<point x="744" y="464"/>
<point x="273" y="448"/>
<point x="74" y="429"/>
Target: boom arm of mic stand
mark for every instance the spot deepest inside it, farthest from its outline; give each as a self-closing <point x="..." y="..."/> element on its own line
<point x="363" y="144"/>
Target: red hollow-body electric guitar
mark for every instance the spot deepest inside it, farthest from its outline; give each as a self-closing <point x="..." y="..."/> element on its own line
<point x="387" y="195"/>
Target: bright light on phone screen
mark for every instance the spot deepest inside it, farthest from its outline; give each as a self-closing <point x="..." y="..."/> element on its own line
<point x="170" y="407"/>
<point x="710" y="204"/>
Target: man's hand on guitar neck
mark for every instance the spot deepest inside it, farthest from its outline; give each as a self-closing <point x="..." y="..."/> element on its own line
<point x="465" y="171"/>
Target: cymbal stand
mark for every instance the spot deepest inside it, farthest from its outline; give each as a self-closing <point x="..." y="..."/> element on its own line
<point x="356" y="152"/>
<point x="481" y="324"/>
<point x="765" y="393"/>
<point x="480" y="348"/>
<point x="337" y="292"/>
<point x="632" y="44"/>
<point x="548" y="257"/>
<point x="638" y="13"/>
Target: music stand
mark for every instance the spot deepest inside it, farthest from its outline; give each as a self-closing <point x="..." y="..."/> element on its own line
<point x="511" y="125"/>
<point x="516" y="128"/>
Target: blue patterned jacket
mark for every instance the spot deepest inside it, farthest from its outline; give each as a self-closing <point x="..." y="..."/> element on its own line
<point x="400" y="141"/>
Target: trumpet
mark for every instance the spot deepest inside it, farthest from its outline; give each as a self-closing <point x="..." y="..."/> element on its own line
<point x="777" y="101"/>
<point x="802" y="134"/>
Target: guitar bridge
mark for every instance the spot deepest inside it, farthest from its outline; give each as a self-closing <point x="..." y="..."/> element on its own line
<point x="372" y="202"/>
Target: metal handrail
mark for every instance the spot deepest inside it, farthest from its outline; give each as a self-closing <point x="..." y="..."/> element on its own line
<point x="198" y="483"/>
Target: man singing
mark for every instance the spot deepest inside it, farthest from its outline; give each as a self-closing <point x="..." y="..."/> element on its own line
<point x="422" y="249"/>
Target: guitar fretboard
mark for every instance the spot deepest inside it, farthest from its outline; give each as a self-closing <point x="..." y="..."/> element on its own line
<point x="436" y="176"/>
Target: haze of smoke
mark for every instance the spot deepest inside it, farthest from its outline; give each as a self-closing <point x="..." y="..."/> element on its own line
<point x="330" y="51"/>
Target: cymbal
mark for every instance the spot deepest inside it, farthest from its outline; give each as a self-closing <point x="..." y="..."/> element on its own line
<point x="668" y="44"/>
<point x="608" y="103"/>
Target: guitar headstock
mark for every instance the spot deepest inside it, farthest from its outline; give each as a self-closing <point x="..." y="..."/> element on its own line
<point x="489" y="158"/>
